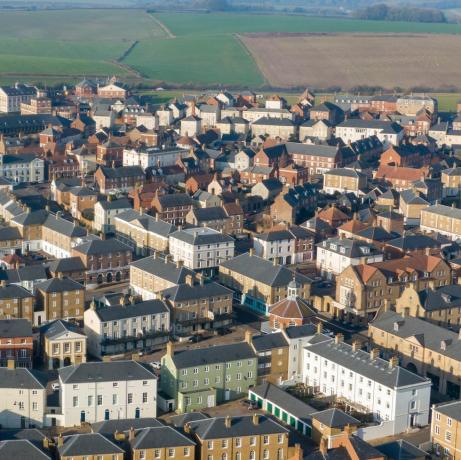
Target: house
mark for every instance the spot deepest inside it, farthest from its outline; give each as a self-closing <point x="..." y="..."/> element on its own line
<point x="409" y="156"/>
<point x="62" y="344"/>
<point x="212" y="217"/>
<point x="423" y="348"/>
<point x="121" y="179"/>
<point x="442" y="219"/>
<point x="97" y="391"/>
<point x="27" y="276"/>
<point x="22" y="448"/>
<point x="172" y="208"/>
<point x="343" y="180"/>
<point x="451" y="181"/>
<point x="105" y="213"/>
<point x="11" y="97"/>
<point x="152" y="274"/>
<point x="333" y="216"/>
<point x="123" y="328"/>
<point x="354" y="129"/>
<point x="81" y="202"/>
<point x="368" y="383"/>
<point x="195" y="380"/>
<point x="411" y="204"/>
<point x="191" y="126"/>
<point x="336" y="254"/>
<point x="105" y="260"/>
<point x="331" y="423"/>
<point x="254" y="437"/>
<point x="16" y="302"/>
<point x="201" y="248"/>
<point x="59" y="298"/>
<point x="317" y="158"/>
<point x="110" y="154"/>
<point x="400" y="177"/>
<point x="437" y="305"/>
<point x="267" y="189"/>
<point x="23" y="399"/>
<point x="287" y="246"/>
<point x="282" y="128"/>
<point x="259" y="283"/>
<point x="16" y="342"/>
<point x="444" y="429"/>
<point x="364" y="289"/>
<point x="384" y="103"/>
<point x="326" y="111"/>
<point x="317" y="129"/>
<point x="412" y="104"/>
<point x="143" y="233"/>
<point x="244" y="159"/>
<point x="24" y="167"/>
<point x="69" y="267"/>
<point x="197" y="306"/>
<point x="112" y="90"/>
<point x="89" y="445"/>
<point x="162" y="442"/>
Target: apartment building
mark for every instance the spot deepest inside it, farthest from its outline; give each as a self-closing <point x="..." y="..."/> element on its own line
<point x="106" y="261"/>
<point x="334" y="255"/>
<point x="105" y="213"/>
<point x="198" y="305"/>
<point x="364" y="289"/>
<point x="11" y="97"/>
<point x="122" y="179"/>
<point x="344" y="180"/>
<point x="259" y="283"/>
<point x="201" y="248"/>
<point x="451" y="182"/>
<point x="126" y="328"/>
<point x="354" y="129"/>
<point x="445" y="430"/>
<point x="97" y="391"/>
<point x="227" y="218"/>
<point x="152" y="274"/>
<point x="59" y="298"/>
<point x="368" y="383"/>
<point x="143" y="233"/>
<point x="423" y="348"/>
<point x="172" y="208"/>
<point x="16" y="302"/>
<point x="442" y="219"/>
<point x="193" y="381"/>
<point x="255" y="437"/>
<point x="149" y="157"/>
<point x="411" y="104"/>
<point x="23" y="400"/>
<point x="22" y="168"/>
<point x="62" y="344"/>
<point x="16" y="342"/>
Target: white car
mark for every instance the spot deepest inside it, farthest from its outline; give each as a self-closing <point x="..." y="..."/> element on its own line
<point x="55" y="386"/>
<point x="156" y="364"/>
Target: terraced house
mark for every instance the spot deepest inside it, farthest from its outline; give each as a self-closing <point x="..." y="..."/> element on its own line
<point x="193" y="381"/>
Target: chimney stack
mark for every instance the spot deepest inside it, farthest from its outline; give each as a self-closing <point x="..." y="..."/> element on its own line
<point x="179" y="263"/>
<point x="187" y="428"/>
<point x="248" y="336"/>
<point x="355" y="345"/>
<point x="374" y="353"/>
<point x="60" y="440"/>
<point x="339" y="338"/>
<point x="251" y="252"/>
<point x="228" y="421"/>
<point x="319" y="327"/>
<point x="189" y="280"/>
<point x="170" y="348"/>
<point x="255" y="419"/>
<point x="393" y="362"/>
<point x="131" y="434"/>
<point x="11" y="363"/>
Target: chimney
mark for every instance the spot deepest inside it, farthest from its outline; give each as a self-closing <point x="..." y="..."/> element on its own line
<point x="131" y="434"/>
<point x="248" y="336"/>
<point x="11" y="363"/>
<point x="187" y="428"/>
<point x="170" y="348"/>
<point x="189" y="280"/>
<point x="274" y="262"/>
<point x="323" y="446"/>
<point x="255" y="419"/>
<point x="141" y="210"/>
<point x="348" y="429"/>
<point x="179" y="263"/>
<point x="46" y="443"/>
<point x="60" y="440"/>
<point x="387" y="305"/>
<point x="374" y="353"/>
<point x="3" y="283"/>
<point x="393" y="362"/>
<point x="355" y="345"/>
<point x="228" y="421"/>
<point x="319" y="327"/>
<point x="251" y="252"/>
<point x="339" y="338"/>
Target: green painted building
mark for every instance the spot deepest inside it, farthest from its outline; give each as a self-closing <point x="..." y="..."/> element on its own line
<point x="206" y="377"/>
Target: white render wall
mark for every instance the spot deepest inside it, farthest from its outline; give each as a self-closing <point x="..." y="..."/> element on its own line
<point x="16" y="403"/>
<point x="274" y="249"/>
<point x="87" y="394"/>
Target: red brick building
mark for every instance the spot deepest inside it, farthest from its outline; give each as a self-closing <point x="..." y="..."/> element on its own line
<point x="109" y="153"/>
<point x="172" y="207"/>
<point x="123" y="179"/>
<point x="410" y="156"/>
<point x="16" y="342"/>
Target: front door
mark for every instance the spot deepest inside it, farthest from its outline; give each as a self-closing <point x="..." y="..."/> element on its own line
<point x="210" y="401"/>
<point x="82" y="416"/>
<point x="227" y="395"/>
<point x="23" y="422"/>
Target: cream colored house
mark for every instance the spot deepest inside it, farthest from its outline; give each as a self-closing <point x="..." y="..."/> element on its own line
<point x="442" y="219"/>
<point x="273" y="127"/>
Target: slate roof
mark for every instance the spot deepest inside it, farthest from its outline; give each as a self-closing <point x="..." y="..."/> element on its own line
<point x="10" y="328"/>
<point x="63" y="226"/>
<point x="201" y="235"/>
<point x="109" y="427"/>
<point x="178" y="421"/>
<point x="335" y="418"/>
<point x="352" y="248"/>
<point x="149" y="223"/>
<point x="26" y="273"/>
<point x="59" y="327"/>
<point x="443" y="210"/>
<point x="116" y="204"/>
<point x="22" y="378"/>
<point x="59" y="285"/>
<point x="401" y="450"/>
<point x="87" y="444"/>
<point x="297" y="332"/>
<point x="292" y="308"/>
<point x="67" y="264"/>
<point x="371" y="124"/>
<point x="104" y="372"/>
<point x="21" y="449"/>
<point x="284" y="400"/>
<point x="325" y="151"/>
<point x="160" y="438"/>
<point x="116" y="312"/>
<point x="93" y="247"/>
<point x="344" y="172"/>
<point x="172" y="200"/>
<point x="263" y="270"/>
<point x="122" y="171"/>
<point x="207" y="214"/>
<point x="12" y="291"/>
<point x="270" y="121"/>
<point x="213" y="354"/>
<point x="441" y="298"/>
<point x="265" y="342"/>
<point x="360" y="362"/>
<point x="184" y="291"/>
<point x="214" y="428"/>
<point x="451" y="409"/>
<point x="164" y="270"/>
<point x="413" y="242"/>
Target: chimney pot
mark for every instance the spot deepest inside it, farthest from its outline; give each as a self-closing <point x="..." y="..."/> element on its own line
<point x="374" y="353"/>
<point x="255" y="419"/>
<point x="339" y="338"/>
<point x="228" y="421"/>
<point x="319" y="327"/>
<point x="11" y="363"/>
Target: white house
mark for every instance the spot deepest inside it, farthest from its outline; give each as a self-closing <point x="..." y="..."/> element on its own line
<point x="151" y="157"/>
<point x="201" y="247"/>
<point x="22" y="168"/>
<point x="23" y="400"/>
<point x="98" y="391"/>
<point x="334" y="255"/>
<point x="124" y="328"/>
<point x="354" y="129"/>
<point x="105" y="213"/>
<point x="395" y="396"/>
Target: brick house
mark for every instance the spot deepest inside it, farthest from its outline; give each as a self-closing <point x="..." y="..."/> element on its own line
<point x="16" y="302"/>
<point x="409" y="155"/>
<point x="293" y="204"/>
<point x="110" y="153"/>
<point x="172" y="208"/>
<point x="124" y="178"/>
<point x="400" y="177"/>
<point x="16" y="342"/>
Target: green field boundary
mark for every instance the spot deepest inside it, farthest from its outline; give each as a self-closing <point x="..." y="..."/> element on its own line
<point x="238" y="39"/>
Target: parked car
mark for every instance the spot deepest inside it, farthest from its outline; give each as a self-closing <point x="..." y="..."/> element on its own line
<point x="156" y="364"/>
<point x="55" y="386"/>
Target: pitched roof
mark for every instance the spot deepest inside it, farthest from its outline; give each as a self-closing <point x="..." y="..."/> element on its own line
<point x="67" y="264"/>
<point x="451" y="409"/>
<point x="201" y="235"/>
<point x="401" y="450"/>
<point x="59" y="328"/>
<point x="116" y="312"/>
<point x="22" y="378"/>
<point x="185" y="291"/>
<point x="162" y="269"/>
<point x="21" y="448"/>
<point x="109" y="427"/>
<point x="11" y="291"/>
<point x="160" y="437"/>
<point x="122" y="171"/>
<point x="87" y="444"/>
<point x="10" y="328"/>
<point x="335" y="418"/>
<point x="266" y="342"/>
<point x="289" y="308"/>
<point x="60" y="285"/>
<point x="111" y="245"/>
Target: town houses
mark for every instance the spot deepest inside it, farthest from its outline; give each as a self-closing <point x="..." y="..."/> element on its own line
<point x="178" y="278"/>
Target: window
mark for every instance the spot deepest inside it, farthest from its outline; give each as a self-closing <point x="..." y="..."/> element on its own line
<point x="224" y="444"/>
<point x="157" y="453"/>
<point x="75" y="401"/>
<point x="99" y="400"/>
<point x="280" y="438"/>
<point x="449" y="421"/>
<point x="34" y="406"/>
<point x="90" y="401"/>
<point x="142" y="454"/>
<point x="252" y="455"/>
<point x="144" y="397"/>
<point x="114" y="399"/>
<point x="186" y="451"/>
<point x="437" y="415"/>
<point x="210" y="445"/>
<point x="238" y="442"/>
<point x="170" y="453"/>
<point x="252" y="441"/>
<point x="265" y="454"/>
<point x="413" y="405"/>
<point x="21" y="405"/>
<point x="437" y="429"/>
<point x="130" y="398"/>
<point x="266" y="439"/>
<point x="448" y="436"/>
